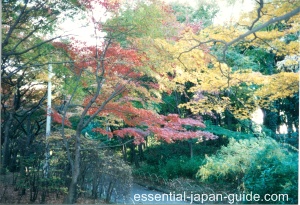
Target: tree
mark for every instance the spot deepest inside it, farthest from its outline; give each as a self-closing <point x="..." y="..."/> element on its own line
<point x="116" y="80"/>
<point x="24" y="56"/>
<point x="215" y="85"/>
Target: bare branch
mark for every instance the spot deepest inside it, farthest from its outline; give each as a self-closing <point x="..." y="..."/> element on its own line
<point x="261" y="5"/>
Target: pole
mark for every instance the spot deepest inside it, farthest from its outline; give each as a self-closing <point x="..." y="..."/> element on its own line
<point x="48" y="121"/>
<point x="1" y="93"/>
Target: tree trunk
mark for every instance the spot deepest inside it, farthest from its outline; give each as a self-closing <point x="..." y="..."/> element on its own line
<point x="6" y="153"/>
<point x="134" y="158"/>
<point x="191" y="149"/>
<point x="72" y="192"/>
<point x="109" y="192"/>
<point x="141" y="153"/>
<point x="95" y="187"/>
<point x="124" y="151"/>
<point x="270" y="120"/>
<point x="228" y="120"/>
<point x="289" y="124"/>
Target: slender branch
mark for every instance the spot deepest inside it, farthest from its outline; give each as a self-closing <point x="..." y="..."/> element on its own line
<point x="31" y="33"/>
<point x="33" y="47"/>
<point x="99" y="83"/>
<point x="261" y="5"/>
<point x="271" y="21"/>
<point x="12" y="28"/>
<point x="251" y="31"/>
<point x="113" y="95"/>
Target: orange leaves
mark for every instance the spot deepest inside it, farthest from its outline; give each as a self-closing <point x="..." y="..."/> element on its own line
<point x="174" y="121"/>
<point x="117" y="62"/>
<point x="170" y="128"/>
<point x="167" y="128"/>
<point x="57" y="118"/>
<point x="104" y="132"/>
<point x="109" y="5"/>
<point x="170" y="135"/>
<point x="137" y="133"/>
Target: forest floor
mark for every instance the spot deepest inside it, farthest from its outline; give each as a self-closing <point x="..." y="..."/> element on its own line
<point x="9" y="194"/>
<point x="190" y="187"/>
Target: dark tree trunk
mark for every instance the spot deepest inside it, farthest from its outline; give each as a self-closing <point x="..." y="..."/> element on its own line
<point x="13" y="162"/>
<point x="141" y="152"/>
<point x="133" y="156"/>
<point x="191" y="149"/>
<point x="6" y="151"/>
<point x="289" y="125"/>
<point x="95" y="187"/>
<point x="109" y="192"/>
<point x="124" y="152"/>
<point x="72" y="192"/>
<point x="270" y="120"/>
<point x="228" y="120"/>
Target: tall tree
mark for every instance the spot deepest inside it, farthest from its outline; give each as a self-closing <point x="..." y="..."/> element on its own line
<point x="116" y="80"/>
<point x="27" y="27"/>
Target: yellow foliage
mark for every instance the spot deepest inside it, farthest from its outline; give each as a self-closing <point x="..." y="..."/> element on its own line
<point x="282" y="85"/>
<point x="188" y="60"/>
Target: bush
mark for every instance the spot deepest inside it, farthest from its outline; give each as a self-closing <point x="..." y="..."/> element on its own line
<point x="174" y="167"/>
<point x="190" y="167"/>
<point x="274" y="174"/>
<point x="258" y="165"/>
<point x="161" y="154"/>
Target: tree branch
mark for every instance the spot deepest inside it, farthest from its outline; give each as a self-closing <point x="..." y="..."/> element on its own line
<point x="251" y="31"/>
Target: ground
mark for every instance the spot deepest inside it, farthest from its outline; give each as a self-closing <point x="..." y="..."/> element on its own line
<point x="143" y="185"/>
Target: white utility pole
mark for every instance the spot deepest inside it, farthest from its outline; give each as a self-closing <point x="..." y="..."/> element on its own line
<point x="49" y="96"/>
<point x="48" y="121"/>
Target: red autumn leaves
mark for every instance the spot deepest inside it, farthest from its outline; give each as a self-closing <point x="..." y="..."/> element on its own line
<point x="120" y="68"/>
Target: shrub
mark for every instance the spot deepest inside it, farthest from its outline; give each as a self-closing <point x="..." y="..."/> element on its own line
<point x="174" y="167"/>
<point x="258" y="165"/>
<point x="190" y="167"/>
<point x="273" y="173"/>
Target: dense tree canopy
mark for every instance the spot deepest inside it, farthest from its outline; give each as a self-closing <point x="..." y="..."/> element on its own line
<point x="152" y="75"/>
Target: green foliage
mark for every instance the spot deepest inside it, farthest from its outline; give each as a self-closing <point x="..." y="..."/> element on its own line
<point x="275" y="171"/>
<point x="160" y="154"/>
<point x="90" y="134"/>
<point x="169" y="103"/>
<point x="264" y="60"/>
<point x="137" y="21"/>
<point x="173" y="160"/>
<point x="204" y="13"/>
<point x="291" y="37"/>
<point x="220" y="131"/>
<point x="241" y="57"/>
<point x="175" y="167"/>
<point x="31" y="176"/>
<point x="259" y="165"/>
<point x="182" y="166"/>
